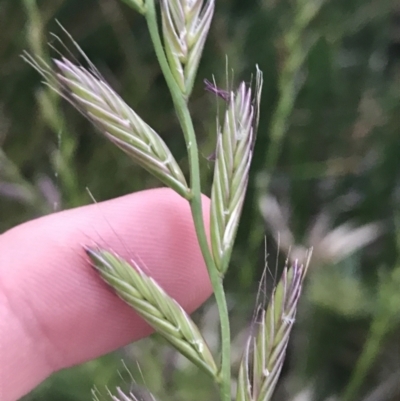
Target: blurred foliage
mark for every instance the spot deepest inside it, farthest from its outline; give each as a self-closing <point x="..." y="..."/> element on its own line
<point x="327" y="155"/>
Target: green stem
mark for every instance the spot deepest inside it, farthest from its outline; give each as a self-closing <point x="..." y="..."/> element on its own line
<point x="49" y="102"/>
<point x="367" y="358"/>
<point x="224" y="379"/>
<point x="296" y="55"/>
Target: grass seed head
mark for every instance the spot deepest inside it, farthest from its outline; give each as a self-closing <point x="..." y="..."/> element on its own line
<point x="265" y="351"/>
<point x="96" y="100"/>
<point x="233" y="157"/>
<point x="185" y="25"/>
<point x="155" y="306"/>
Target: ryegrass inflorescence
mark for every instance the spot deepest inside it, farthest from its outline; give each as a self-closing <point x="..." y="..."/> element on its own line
<point x="185" y="26"/>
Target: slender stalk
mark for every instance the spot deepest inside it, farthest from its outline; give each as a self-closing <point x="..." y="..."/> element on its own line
<point x="368" y="356"/>
<point x="384" y="321"/>
<point x="49" y="104"/>
<point x="289" y="86"/>
<point x="195" y="201"/>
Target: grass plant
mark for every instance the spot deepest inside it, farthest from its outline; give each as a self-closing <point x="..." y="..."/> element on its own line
<point x="178" y="47"/>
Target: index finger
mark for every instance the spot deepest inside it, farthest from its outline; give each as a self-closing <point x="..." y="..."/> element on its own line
<point x="54" y="309"/>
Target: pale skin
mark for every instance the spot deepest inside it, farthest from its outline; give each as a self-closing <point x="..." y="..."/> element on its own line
<point x="55" y="311"/>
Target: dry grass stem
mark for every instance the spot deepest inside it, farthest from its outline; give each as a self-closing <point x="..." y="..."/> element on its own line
<point x="233" y="158"/>
<point x="97" y="101"/>
<point x="185" y="25"/>
<point x="154" y="305"/>
<point x="266" y="349"/>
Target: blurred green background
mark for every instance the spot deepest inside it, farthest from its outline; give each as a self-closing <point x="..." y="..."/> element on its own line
<point x="326" y="173"/>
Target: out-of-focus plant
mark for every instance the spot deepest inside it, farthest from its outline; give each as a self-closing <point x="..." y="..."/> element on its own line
<point x="343" y="294"/>
<point x="14" y="186"/>
<point x="292" y="50"/>
<point x="62" y="156"/>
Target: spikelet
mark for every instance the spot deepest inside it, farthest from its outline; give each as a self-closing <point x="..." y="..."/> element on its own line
<point x="155" y="306"/>
<point x="233" y="157"/>
<point x="185" y="25"/>
<point x="95" y="99"/>
<point x="265" y="352"/>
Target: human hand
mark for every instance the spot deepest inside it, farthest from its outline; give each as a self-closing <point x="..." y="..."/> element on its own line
<point x="56" y="312"/>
